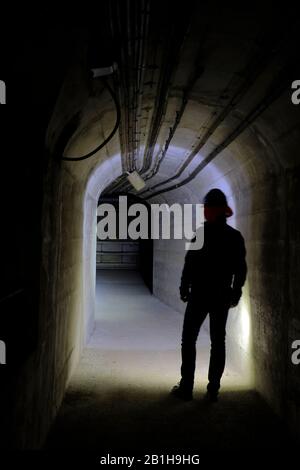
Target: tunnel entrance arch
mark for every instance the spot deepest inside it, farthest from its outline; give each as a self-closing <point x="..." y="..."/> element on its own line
<point x="239" y="327"/>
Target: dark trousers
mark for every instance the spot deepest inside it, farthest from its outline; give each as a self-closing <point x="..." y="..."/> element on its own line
<point x="195" y="315"/>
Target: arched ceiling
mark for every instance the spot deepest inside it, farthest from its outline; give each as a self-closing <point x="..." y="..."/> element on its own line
<point x="204" y="94"/>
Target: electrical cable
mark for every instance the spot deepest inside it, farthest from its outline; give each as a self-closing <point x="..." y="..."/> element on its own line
<point x="116" y="126"/>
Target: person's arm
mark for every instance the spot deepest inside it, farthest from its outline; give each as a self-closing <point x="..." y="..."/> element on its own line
<point x="240" y="271"/>
<point x="186" y="277"/>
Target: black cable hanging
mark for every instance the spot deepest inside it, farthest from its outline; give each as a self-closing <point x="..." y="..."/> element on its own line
<point x="116" y="126"/>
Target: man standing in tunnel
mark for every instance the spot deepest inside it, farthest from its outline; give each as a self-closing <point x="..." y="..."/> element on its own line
<point x="211" y="283"/>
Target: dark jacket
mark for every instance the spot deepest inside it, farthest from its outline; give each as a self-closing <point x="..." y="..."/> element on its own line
<point x="218" y="270"/>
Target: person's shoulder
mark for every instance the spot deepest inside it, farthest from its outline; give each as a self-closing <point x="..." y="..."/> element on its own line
<point x="234" y="233"/>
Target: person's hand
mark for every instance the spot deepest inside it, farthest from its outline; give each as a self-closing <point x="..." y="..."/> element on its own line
<point x="235" y="297"/>
<point x="184" y="294"/>
<point x="185" y="297"/>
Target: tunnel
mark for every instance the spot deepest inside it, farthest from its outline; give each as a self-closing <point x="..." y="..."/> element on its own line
<point x="191" y="97"/>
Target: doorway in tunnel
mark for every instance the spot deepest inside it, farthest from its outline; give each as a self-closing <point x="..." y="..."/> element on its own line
<point x="119" y="253"/>
<point x="124" y="276"/>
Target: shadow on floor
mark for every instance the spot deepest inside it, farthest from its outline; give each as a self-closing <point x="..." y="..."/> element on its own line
<point x="140" y="420"/>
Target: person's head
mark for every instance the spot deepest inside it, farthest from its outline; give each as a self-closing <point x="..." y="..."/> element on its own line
<point x="216" y="208"/>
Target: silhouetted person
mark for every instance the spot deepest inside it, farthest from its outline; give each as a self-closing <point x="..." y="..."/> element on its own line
<point x="211" y="283"/>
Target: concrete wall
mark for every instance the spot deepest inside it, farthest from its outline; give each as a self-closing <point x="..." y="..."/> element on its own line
<point x="67" y="298"/>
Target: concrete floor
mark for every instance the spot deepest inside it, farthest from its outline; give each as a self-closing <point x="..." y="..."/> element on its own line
<point x="119" y="396"/>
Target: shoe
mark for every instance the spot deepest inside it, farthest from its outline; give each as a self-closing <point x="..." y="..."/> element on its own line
<point x="212" y="396"/>
<point x="179" y="392"/>
<point x="212" y="393"/>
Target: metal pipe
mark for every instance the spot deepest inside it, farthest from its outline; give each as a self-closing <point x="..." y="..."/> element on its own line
<point x="251" y="117"/>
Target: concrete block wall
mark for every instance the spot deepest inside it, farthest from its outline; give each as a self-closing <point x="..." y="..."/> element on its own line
<point x="292" y="286"/>
<point x="41" y="385"/>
